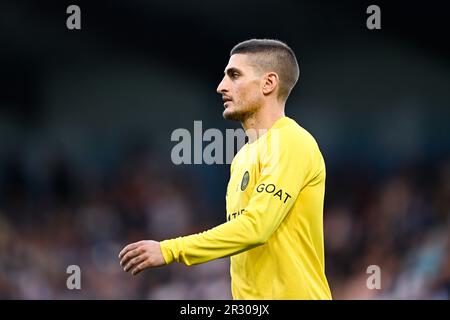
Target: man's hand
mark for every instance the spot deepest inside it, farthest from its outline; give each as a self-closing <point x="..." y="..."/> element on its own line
<point x="141" y="255"/>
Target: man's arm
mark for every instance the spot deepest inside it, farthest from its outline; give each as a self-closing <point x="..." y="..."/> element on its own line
<point x="287" y="171"/>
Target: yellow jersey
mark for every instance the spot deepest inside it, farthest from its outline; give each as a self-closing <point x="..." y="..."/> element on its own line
<point x="274" y="227"/>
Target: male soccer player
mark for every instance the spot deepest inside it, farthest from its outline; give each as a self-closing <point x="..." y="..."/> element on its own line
<point x="274" y="227"/>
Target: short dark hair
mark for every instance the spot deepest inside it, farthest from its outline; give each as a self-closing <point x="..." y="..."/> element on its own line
<point x="273" y="55"/>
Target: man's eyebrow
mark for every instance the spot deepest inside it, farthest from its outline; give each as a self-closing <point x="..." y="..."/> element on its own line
<point x="231" y="70"/>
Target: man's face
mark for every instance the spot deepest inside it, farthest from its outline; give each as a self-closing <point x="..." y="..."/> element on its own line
<point x="240" y="88"/>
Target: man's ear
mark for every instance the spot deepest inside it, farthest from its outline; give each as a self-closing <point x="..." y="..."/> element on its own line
<point x="270" y="83"/>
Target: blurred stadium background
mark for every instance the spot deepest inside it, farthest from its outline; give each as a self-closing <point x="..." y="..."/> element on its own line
<point x="86" y="118"/>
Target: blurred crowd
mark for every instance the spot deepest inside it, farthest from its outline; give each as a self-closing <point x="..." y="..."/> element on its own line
<point x="398" y="221"/>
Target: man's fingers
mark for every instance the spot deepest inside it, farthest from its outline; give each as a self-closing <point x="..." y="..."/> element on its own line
<point x="138" y="256"/>
<point x="129" y="255"/>
<point x="133" y="262"/>
<point x="129" y="247"/>
<point x="139" y="267"/>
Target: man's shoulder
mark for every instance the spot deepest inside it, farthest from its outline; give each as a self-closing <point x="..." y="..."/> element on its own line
<point x="292" y="132"/>
<point x="298" y="143"/>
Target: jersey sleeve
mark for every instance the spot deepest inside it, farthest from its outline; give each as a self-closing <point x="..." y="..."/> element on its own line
<point x="284" y="172"/>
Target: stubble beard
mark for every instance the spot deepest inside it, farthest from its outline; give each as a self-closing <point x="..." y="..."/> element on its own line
<point x="240" y="115"/>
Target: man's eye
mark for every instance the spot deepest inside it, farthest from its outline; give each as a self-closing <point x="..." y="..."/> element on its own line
<point x="235" y="75"/>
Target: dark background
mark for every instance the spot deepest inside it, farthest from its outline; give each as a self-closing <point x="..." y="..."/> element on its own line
<point x="86" y="117"/>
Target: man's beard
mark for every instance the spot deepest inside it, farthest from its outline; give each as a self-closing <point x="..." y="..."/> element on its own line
<point x="240" y="115"/>
<point x="235" y="115"/>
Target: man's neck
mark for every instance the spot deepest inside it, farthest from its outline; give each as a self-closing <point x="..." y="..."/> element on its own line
<point x="260" y="122"/>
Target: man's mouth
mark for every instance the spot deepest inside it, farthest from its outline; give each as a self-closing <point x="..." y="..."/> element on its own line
<point x="226" y="100"/>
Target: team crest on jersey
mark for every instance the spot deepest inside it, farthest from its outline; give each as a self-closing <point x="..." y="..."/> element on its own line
<point x="245" y="180"/>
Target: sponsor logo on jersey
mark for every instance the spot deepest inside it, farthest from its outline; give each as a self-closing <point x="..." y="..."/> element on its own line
<point x="272" y="189"/>
<point x="234" y="215"/>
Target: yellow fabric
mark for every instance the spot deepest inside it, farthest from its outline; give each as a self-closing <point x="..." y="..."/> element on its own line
<point x="274" y="228"/>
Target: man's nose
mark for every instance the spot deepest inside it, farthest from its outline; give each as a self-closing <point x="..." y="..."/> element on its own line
<point x="221" y="87"/>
